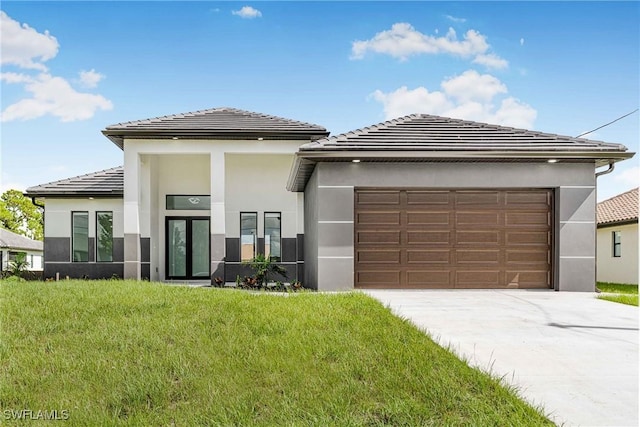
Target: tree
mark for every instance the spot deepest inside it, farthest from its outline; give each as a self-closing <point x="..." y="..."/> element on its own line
<point x="19" y="215"/>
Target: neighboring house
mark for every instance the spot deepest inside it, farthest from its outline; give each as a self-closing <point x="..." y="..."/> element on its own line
<point x="12" y="244"/>
<point x="417" y="202"/>
<point x="618" y="238"/>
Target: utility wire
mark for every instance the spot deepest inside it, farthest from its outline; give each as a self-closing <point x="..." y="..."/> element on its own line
<point x="619" y="118"/>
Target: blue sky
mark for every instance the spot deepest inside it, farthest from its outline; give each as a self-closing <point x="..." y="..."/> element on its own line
<point x="71" y="68"/>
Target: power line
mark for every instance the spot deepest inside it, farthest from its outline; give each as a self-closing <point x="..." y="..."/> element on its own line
<point x="619" y="118"/>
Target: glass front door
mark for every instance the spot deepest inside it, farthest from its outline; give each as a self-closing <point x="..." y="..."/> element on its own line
<point x="187" y="251"/>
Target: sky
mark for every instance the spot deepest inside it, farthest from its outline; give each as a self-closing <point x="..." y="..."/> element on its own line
<point x="69" y="69"/>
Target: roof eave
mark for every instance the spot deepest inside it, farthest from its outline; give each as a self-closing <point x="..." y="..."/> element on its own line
<point x="617" y="223"/>
<point x="73" y="194"/>
<point x="305" y="158"/>
<point x="118" y="135"/>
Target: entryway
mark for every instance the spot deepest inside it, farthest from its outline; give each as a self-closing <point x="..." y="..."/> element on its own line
<point x="187" y="248"/>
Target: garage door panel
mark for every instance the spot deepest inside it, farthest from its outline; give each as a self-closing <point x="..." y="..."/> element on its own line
<point x="485" y="199"/>
<point x="527" y="257"/>
<point x="378" y="256"/>
<point x="389" y="278"/>
<point x="542" y="238"/>
<point x="378" y="198"/>
<point x="428" y="237"/>
<point x="468" y="256"/>
<point x="437" y="198"/>
<point x="477" y="279"/>
<point x="378" y="218"/>
<point x="415" y="238"/>
<point x="378" y="237"/>
<point x="527" y="218"/>
<point x="527" y="199"/>
<point x="429" y="279"/>
<point x="475" y="219"/>
<point x="428" y="256"/>
<point x="428" y="218"/>
<point x="478" y="237"/>
<point x="528" y="279"/>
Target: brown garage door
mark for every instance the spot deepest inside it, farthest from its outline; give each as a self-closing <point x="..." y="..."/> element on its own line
<point x="452" y="239"/>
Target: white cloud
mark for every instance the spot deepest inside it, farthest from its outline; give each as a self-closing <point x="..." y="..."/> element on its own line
<point x="247" y="12"/>
<point x="52" y="96"/>
<point x="90" y="78"/>
<point x="491" y="60"/>
<point x="470" y="85"/>
<point x="469" y="96"/>
<point x="455" y="19"/>
<point x="521" y="42"/>
<point x="23" y="46"/>
<point x="403" y="41"/>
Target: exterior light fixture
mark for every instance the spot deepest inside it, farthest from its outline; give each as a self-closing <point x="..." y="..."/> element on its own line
<point x="174" y="138"/>
<point x="552" y="161"/>
<point x="260" y="139"/>
<point x="355" y="161"/>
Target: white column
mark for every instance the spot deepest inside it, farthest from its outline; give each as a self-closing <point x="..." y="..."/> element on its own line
<point x="131" y="215"/>
<point x="218" y="233"/>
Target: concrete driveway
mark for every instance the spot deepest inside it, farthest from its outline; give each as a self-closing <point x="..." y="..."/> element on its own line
<point x="575" y="355"/>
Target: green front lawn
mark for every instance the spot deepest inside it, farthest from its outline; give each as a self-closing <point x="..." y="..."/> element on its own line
<point x="133" y="353"/>
<point x="618" y="292"/>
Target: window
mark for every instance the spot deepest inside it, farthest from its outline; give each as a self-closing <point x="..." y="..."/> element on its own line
<point x="104" y="236"/>
<point x="188" y="203"/>
<point x="248" y="235"/>
<point x="80" y="236"/>
<point x="617" y="244"/>
<point x="13" y="256"/>
<point x="272" y="240"/>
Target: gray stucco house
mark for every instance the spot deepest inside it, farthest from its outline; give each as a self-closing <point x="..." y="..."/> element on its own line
<point x="417" y="202"/>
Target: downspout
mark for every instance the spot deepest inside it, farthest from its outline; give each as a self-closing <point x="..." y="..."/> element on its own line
<point x="33" y="200"/>
<point x="612" y="166"/>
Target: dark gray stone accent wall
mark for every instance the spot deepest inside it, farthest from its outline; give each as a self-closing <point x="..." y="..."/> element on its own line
<point x="232" y="249"/>
<point x="289" y="252"/>
<point x="57" y="249"/>
<point x="145" y="249"/>
<point x="118" y="249"/>
<point x="92" y="249"/>
<point x="79" y="270"/>
<point x="300" y="245"/>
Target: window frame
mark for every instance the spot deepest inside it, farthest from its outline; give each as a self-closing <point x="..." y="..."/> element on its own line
<point x="98" y="236"/>
<point x="616" y="246"/>
<point x="279" y="256"/>
<point x="73" y="237"/>
<point x="255" y="235"/>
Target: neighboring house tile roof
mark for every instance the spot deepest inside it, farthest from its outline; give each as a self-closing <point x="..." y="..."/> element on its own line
<point x="423" y="137"/>
<point x="221" y="122"/>
<point x="11" y="240"/>
<point x="105" y="183"/>
<point x="622" y="208"/>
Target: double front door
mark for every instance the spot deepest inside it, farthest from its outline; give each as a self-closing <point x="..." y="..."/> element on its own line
<point x="187" y="248"/>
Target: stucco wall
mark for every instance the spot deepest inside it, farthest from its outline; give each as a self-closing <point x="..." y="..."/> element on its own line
<point x="239" y="175"/>
<point x="34" y="258"/>
<point x="57" y="241"/>
<point x="574" y="222"/>
<point x="623" y="269"/>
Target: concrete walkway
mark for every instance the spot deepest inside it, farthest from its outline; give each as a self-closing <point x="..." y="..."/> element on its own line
<point x="575" y="355"/>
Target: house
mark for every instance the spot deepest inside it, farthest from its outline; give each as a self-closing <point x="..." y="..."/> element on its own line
<point x="417" y="202"/>
<point x="617" y="238"/>
<point x="12" y="244"/>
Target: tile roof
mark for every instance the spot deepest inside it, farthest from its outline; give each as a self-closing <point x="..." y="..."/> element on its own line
<point x="427" y="138"/>
<point x="434" y="133"/>
<point x="215" y="122"/>
<point x="105" y="183"/>
<point x="620" y="208"/>
<point x="11" y="240"/>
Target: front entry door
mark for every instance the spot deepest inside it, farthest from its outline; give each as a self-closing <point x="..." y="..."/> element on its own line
<point x="187" y="248"/>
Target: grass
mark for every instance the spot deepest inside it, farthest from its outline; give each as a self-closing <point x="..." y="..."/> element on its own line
<point x="133" y="353"/>
<point x="618" y="292"/>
